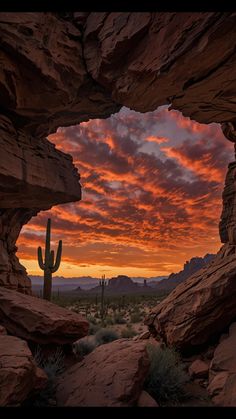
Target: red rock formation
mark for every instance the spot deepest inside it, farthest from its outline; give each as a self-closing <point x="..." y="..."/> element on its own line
<point x="151" y="59"/>
<point x="59" y="69"/>
<point x="198" y="369"/>
<point x="228" y="217"/>
<point x="222" y="374"/>
<point x="33" y="176"/>
<point x="19" y="374"/>
<point x="38" y="320"/>
<point x="112" y="375"/>
<point x="201" y="307"/>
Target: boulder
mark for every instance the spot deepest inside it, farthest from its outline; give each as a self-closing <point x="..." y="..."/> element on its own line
<point x="19" y="375"/>
<point x="145" y="400"/>
<point x="112" y="375"/>
<point x="222" y="373"/>
<point x="38" y="320"/>
<point x="198" y="369"/>
<point x="201" y="307"/>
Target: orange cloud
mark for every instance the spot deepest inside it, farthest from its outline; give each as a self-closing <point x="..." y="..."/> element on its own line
<point x="141" y="212"/>
<point x="201" y="167"/>
<point x="158" y="140"/>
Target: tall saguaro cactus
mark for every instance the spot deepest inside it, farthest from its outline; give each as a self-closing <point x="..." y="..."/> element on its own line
<point x="49" y="267"/>
<point x="102" y="284"/>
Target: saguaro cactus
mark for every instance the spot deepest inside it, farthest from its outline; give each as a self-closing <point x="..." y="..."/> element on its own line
<point x="49" y="267"/>
<point x="102" y="284"/>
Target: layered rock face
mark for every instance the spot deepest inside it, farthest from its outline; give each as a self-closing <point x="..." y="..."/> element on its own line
<point x="201" y="307"/>
<point x="19" y="374"/>
<point x="228" y="217"/>
<point x="33" y="176"/>
<point x="38" y="320"/>
<point x="222" y="376"/>
<point x="59" y="69"/>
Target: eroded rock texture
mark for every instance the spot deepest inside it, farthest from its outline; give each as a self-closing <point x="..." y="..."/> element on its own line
<point x="38" y="320"/>
<point x="59" y="69"/>
<point x="112" y="375"/>
<point x="33" y="176"/>
<point x="228" y="217"/>
<point x="200" y="308"/>
<point x="222" y="377"/>
<point x="19" y="374"/>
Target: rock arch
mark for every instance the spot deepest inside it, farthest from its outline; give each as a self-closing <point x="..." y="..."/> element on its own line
<point x="60" y="69"/>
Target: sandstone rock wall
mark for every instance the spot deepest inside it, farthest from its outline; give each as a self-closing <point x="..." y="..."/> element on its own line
<point x="227" y="224"/>
<point x="33" y="176"/>
<point x="200" y="308"/>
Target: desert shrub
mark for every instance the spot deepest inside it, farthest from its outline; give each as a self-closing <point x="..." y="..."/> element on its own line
<point x="92" y="319"/>
<point x="93" y="328"/>
<point x="109" y="320"/>
<point x="128" y="332"/>
<point x="84" y="346"/>
<point x="135" y="317"/>
<point x="106" y="336"/>
<point x="53" y="365"/>
<point x="166" y="377"/>
<point x="118" y="319"/>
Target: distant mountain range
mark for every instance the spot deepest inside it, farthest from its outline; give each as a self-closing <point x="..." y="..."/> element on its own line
<point x="124" y="284"/>
<point x="84" y="282"/>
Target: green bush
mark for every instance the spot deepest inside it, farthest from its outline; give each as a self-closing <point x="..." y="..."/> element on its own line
<point x="166" y="377"/>
<point x="53" y="365"/>
<point x="128" y="333"/>
<point x="84" y="346"/>
<point x="118" y="319"/>
<point x="109" y="320"/>
<point x="106" y="336"/>
<point x="92" y="319"/>
<point x="93" y="328"/>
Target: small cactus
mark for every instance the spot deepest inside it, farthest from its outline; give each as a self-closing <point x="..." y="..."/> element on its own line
<point x="49" y="267"/>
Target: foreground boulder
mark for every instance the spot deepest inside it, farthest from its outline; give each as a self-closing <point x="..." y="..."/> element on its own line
<point x="222" y="376"/>
<point x="19" y="375"/>
<point x="198" y="369"/>
<point x="112" y="375"/>
<point x="200" y="308"/>
<point x="38" y="320"/>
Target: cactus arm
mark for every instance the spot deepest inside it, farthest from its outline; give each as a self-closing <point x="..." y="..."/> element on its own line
<point x="58" y="258"/>
<point x="40" y="258"/>
<point x="47" y="244"/>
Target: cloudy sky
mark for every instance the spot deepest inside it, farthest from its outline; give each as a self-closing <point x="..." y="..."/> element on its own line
<point x="151" y="196"/>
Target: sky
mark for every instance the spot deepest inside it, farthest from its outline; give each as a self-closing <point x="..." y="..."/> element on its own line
<point x="151" y="196"/>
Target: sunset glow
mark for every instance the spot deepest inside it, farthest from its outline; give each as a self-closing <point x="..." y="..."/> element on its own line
<point x="151" y="196"/>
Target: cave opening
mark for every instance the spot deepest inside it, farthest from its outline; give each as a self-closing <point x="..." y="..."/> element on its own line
<point x="151" y="196"/>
